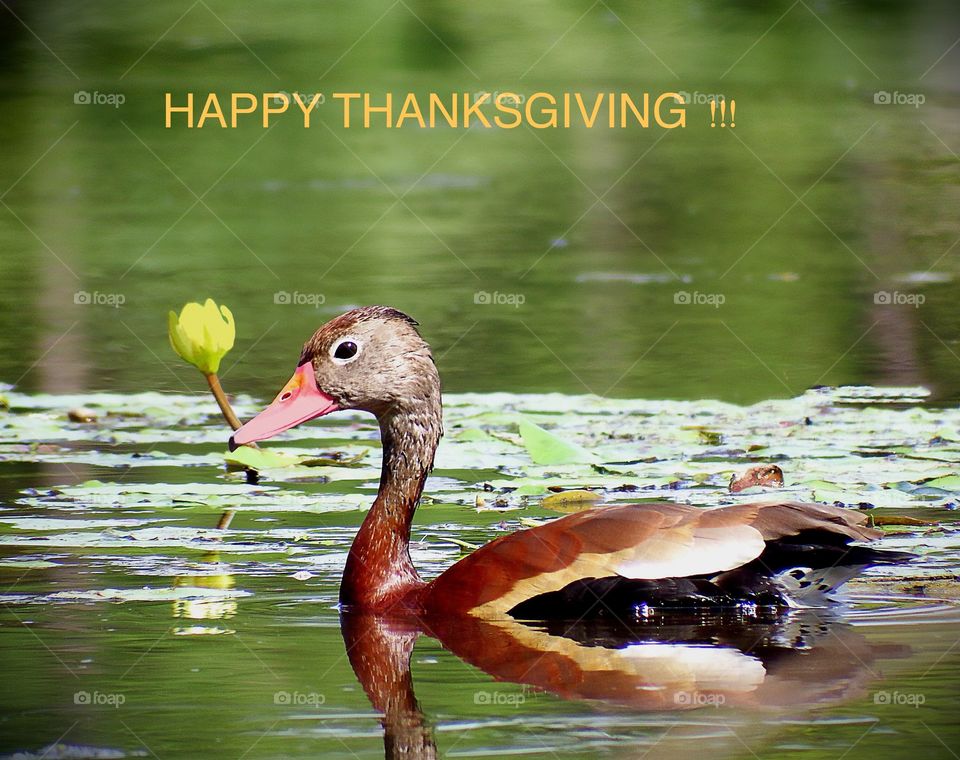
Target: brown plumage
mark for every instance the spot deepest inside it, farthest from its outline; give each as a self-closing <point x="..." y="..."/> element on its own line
<point x="647" y="541"/>
<point x="373" y="359"/>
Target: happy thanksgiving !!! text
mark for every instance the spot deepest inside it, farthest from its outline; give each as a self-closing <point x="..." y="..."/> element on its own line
<point x="457" y="110"/>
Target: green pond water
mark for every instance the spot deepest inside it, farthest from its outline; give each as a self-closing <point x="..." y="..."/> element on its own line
<point x="814" y="244"/>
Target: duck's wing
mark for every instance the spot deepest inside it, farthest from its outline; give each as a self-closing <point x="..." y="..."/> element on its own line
<point x="781" y="519"/>
<point x="637" y="541"/>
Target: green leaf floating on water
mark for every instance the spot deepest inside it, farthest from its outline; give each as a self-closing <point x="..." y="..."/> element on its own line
<point x="531" y="489"/>
<point x="28" y="564"/>
<point x="259" y="459"/>
<point x="472" y="434"/>
<point x="546" y="448"/>
<point x="947" y="483"/>
<point x="335" y="460"/>
<point x="571" y="501"/>
<point x="267" y="459"/>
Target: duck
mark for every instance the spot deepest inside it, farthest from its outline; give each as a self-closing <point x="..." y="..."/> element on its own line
<point x="616" y="560"/>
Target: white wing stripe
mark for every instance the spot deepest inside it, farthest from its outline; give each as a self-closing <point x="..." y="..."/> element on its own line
<point x="708" y="550"/>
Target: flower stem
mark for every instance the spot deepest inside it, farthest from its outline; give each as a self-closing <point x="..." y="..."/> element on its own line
<point x="214" y="382"/>
<point x="233" y="421"/>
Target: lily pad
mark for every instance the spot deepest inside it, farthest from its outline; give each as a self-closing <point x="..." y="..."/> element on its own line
<point x="571" y="501"/>
<point x="946" y="483"/>
<point x="259" y="459"/>
<point x="546" y="448"/>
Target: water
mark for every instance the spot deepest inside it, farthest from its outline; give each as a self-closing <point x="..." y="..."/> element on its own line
<point x="131" y="623"/>
<point x="136" y="597"/>
<point x="281" y="685"/>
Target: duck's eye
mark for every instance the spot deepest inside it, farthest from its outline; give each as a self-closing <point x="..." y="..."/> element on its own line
<point x="345" y="350"/>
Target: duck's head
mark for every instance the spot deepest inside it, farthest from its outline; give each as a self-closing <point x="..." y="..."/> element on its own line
<point x="371" y="359"/>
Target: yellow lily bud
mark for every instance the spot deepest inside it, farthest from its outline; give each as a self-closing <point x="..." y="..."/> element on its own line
<point x="202" y="334"/>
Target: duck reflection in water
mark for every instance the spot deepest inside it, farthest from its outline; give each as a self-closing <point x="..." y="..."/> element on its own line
<point x="789" y="662"/>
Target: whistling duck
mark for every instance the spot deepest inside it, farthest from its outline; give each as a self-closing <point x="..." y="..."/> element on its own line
<point x="621" y="559"/>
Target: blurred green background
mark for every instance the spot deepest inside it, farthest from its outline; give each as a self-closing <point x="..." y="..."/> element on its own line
<point x="104" y="199"/>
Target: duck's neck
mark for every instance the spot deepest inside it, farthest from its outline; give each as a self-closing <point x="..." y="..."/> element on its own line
<point x="379" y="573"/>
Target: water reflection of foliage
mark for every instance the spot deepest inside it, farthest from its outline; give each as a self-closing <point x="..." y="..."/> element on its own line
<point x="206" y="608"/>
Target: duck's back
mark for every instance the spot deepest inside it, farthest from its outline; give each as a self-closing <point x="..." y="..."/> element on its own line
<point x="623" y="558"/>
